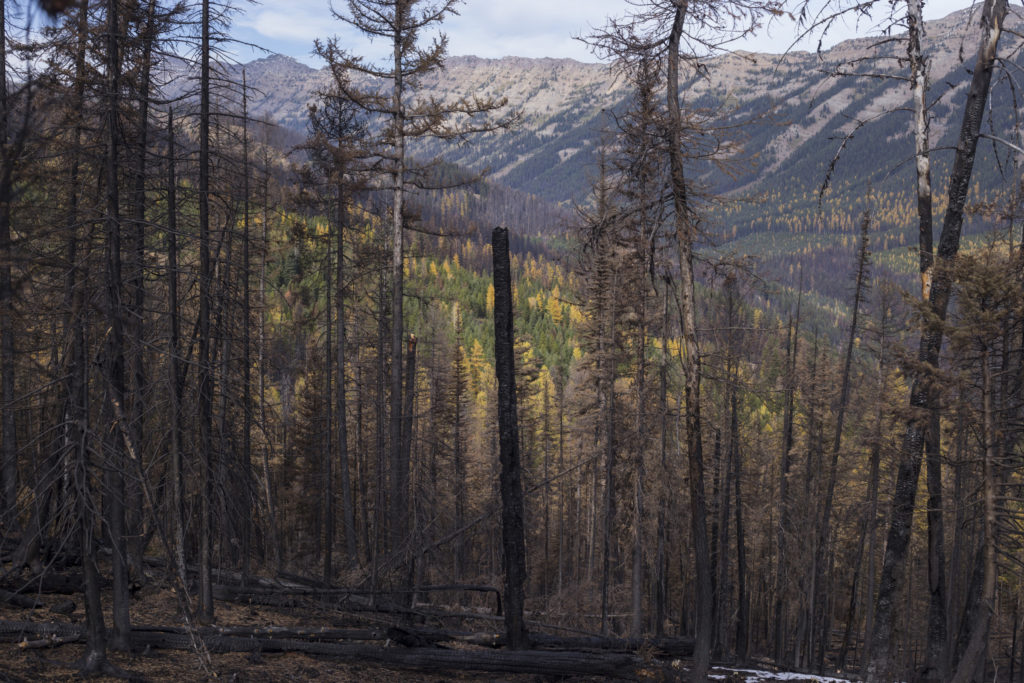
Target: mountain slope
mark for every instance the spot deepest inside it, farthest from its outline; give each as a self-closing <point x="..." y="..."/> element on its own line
<point x="792" y="116"/>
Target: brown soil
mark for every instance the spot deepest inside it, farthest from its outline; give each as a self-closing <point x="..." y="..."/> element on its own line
<point x="159" y="606"/>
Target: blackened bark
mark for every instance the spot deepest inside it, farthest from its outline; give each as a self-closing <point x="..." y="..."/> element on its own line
<point x="691" y="354"/>
<point x="174" y="357"/>
<point x="937" y="658"/>
<point x="407" y="425"/>
<point x="138" y="384"/>
<point x="743" y="604"/>
<point x="114" y="361"/>
<point x="8" y="442"/>
<point x="512" y="531"/>
<point x="909" y="469"/>
<point x="399" y="507"/>
<point x="821" y="598"/>
<point x="95" y="658"/>
<point x="347" y="504"/>
<point x="245" y="464"/>
<point x="783" y="528"/>
<point x="973" y="660"/>
<point x="328" y="450"/>
<point x="205" y="380"/>
<point x="661" y="556"/>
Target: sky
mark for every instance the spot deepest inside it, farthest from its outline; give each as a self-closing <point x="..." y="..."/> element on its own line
<point x="492" y="28"/>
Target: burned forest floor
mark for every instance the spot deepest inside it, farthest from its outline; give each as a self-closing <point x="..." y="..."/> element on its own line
<point x="300" y="632"/>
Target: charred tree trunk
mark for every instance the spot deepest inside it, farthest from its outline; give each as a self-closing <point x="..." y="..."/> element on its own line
<point x="245" y="507"/>
<point x="691" y="355"/>
<point x="175" y="380"/>
<point x="204" y="371"/>
<point x="114" y="361"/>
<point x="327" y="507"/>
<point x="512" y="531"/>
<point x="821" y="598"/>
<point x="880" y="665"/>
<point x="8" y="440"/>
<point x="399" y="508"/>
<point x="783" y="528"/>
<point x="347" y="503"/>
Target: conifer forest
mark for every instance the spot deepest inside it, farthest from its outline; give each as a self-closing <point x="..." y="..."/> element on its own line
<point x="691" y="364"/>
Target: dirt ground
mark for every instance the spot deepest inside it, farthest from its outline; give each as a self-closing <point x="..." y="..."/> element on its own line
<point x="158" y="606"/>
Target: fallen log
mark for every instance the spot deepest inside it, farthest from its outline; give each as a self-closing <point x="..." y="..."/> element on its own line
<point x="322" y="633"/>
<point x="64" y="584"/>
<point x="17" y="631"/>
<point x="51" y="641"/>
<point x="19" y="600"/>
<point x="665" y="647"/>
<point x="424" y="658"/>
<point x="540" y="662"/>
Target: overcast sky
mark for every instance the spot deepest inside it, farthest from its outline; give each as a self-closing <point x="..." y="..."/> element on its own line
<point x="488" y="28"/>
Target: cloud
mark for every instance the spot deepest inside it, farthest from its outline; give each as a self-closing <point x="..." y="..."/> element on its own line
<point x="277" y="25"/>
<point x="491" y="28"/>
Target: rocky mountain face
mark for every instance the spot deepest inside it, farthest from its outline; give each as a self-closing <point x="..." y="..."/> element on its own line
<point x="793" y="105"/>
<point x="788" y="118"/>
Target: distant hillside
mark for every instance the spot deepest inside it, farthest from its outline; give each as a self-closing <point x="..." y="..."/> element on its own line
<point x="796" y="114"/>
<point x="795" y="103"/>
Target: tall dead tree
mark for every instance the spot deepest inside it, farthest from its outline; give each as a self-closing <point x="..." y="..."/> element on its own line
<point x="405" y="117"/>
<point x="511" y="485"/>
<point x="685" y="235"/>
<point x="817" y="594"/>
<point x="8" y="440"/>
<point x="881" y="663"/>
<point x="113" y="364"/>
<point x="662" y="28"/>
<point x="204" y="369"/>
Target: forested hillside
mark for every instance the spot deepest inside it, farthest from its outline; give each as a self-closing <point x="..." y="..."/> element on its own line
<point x="250" y="345"/>
<point x="795" y="126"/>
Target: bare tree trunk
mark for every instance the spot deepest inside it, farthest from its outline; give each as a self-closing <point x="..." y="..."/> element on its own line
<point x="720" y="545"/>
<point x="977" y="645"/>
<point x="820" y="599"/>
<point x="94" y="660"/>
<point x="379" y="513"/>
<point x="636" y="628"/>
<point x="174" y="355"/>
<point x="399" y="509"/>
<point x="880" y="665"/>
<point x="327" y="513"/>
<point x="871" y="515"/>
<point x="409" y="399"/>
<point x="113" y="364"/>
<point x="607" y="408"/>
<point x="691" y="357"/>
<point x="205" y="380"/>
<point x="512" y="531"/>
<point x="661" y="557"/>
<point x="138" y="384"/>
<point x="245" y="464"/>
<point x="8" y="440"/>
<point x="732" y="372"/>
<point x="458" y="459"/>
<point x="268" y="489"/>
<point x="347" y="504"/>
<point x="781" y="566"/>
<point x="936" y="658"/>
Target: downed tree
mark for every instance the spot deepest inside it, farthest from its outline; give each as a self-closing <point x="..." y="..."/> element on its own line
<point x="18" y="600"/>
<point x="63" y="583"/>
<point x="542" y="662"/>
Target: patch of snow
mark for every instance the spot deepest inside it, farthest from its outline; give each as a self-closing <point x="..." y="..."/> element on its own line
<point x="755" y="676"/>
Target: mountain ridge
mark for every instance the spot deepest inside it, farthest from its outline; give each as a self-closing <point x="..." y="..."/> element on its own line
<point x="800" y="115"/>
<point x="563" y="102"/>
